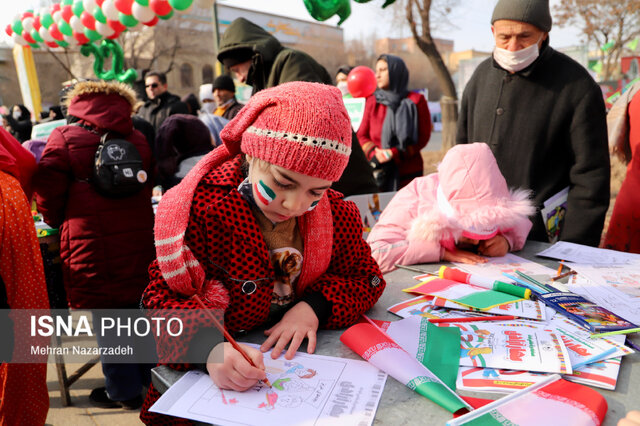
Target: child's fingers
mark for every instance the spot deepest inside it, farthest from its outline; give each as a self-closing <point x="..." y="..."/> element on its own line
<point x="296" y="341"/>
<point x="273" y="337"/>
<point x="285" y="338"/>
<point x="311" y="344"/>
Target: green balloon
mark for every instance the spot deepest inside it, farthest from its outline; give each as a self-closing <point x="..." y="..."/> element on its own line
<point x="167" y="16"/>
<point x="127" y="20"/>
<point x="67" y="2"/>
<point x="143" y="2"/>
<point x="62" y="43"/>
<point x="321" y="10"/>
<point x="34" y="45"/>
<point x="65" y="28"/>
<point x="36" y="36"/>
<point x="99" y="15"/>
<point x="92" y="35"/>
<point x="180" y="4"/>
<point x="78" y="8"/>
<point x="46" y="20"/>
<point x="16" y="26"/>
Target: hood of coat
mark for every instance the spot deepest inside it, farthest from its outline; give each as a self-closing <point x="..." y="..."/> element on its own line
<point x="107" y="105"/>
<point x="472" y="198"/>
<point x="244" y="34"/>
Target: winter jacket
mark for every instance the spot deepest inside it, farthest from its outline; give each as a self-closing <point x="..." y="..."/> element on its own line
<point x="232" y="109"/>
<point x="106" y="244"/>
<point x="20" y="128"/>
<point x="235" y="254"/>
<point x="414" y="225"/>
<point x="155" y="111"/>
<point x="409" y="162"/>
<point x="546" y="127"/>
<point x="274" y="64"/>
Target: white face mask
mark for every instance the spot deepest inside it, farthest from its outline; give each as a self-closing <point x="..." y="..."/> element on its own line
<point x="518" y="60"/>
<point x="342" y="85"/>
<point x="16" y="115"/>
<point x="209" y="107"/>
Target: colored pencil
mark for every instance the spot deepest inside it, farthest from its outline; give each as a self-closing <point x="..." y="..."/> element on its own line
<point x="228" y="336"/>
<point x="560" y="268"/>
<point x="531" y="286"/>
<point x="536" y="282"/>
<point x="615" y="333"/>
<point x="418" y="270"/>
<point x="594" y="358"/>
<point x="566" y="274"/>
<point x="632" y="345"/>
<point x="474" y="319"/>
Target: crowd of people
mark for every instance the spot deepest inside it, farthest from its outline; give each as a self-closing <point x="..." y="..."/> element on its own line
<point x="253" y="220"/>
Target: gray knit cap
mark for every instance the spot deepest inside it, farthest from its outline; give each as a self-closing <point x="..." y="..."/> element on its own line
<point x="534" y="12"/>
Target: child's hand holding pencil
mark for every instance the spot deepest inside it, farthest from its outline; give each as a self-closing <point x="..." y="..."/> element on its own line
<point x="235" y="372"/>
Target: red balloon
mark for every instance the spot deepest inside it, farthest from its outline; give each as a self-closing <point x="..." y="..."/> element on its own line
<point x="88" y="20"/>
<point x="27" y="14"/>
<point x="361" y="82"/>
<point x="152" y="22"/>
<point x="51" y="44"/>
<point x="160" y="7"/>
<point x="124" y="6"/>
<point x="67" y="13"/>
<point x="8" y="30"/>
<point x="55" y="32"/>
<point x="55" y="7"/>
<point x="99" y="2"/>
<point x="27" y="37"/>
<point x="117" y="26"/>
<point x="114" y="36"/>
<point x="36" y="23"/>
<point x="80" y="38"/>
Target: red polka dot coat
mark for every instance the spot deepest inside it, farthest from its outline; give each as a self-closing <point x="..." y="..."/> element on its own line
<point x="224" y="236"/>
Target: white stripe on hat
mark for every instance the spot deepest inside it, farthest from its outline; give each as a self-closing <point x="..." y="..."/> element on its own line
<point x="311" y="141"/>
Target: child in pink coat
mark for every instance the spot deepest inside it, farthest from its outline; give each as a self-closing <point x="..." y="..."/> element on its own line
<point x="460" y="214"/>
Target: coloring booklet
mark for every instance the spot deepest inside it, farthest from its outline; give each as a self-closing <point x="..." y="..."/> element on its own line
<point x="603" y="374"/>
<point x="496" y="267"/>
<point x="309" y="389"/>
<point x="584" y="350"/>
<point x="549" y="402"/>
<point x="514" y="346"/>
<point x="422" y="305"/>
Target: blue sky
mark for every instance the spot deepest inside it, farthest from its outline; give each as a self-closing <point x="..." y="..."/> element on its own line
<point x="471" y="28"/>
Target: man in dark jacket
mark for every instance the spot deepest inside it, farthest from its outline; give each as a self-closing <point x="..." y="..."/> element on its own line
<point x="258" y="59"/>
<point x="543" y="117"/>
<point x="219" y="98"/>
<point x="161" y="103"/>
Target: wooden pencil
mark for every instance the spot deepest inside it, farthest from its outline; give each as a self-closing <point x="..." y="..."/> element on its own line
<point x="566" y="274"/>
<point x="228" y="336"/>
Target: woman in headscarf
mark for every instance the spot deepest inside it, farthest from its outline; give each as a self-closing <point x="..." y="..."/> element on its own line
<point x="19" y="123"/>
<point x="395" y="127"/>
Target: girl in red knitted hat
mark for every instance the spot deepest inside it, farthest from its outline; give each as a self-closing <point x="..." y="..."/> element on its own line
<point x="255" y="231"/>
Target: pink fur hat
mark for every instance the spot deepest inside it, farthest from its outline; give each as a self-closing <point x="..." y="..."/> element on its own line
<point x="473" y="199"/>
<point x="303" y="127"/>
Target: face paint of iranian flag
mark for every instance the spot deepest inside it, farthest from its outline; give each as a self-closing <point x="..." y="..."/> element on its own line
<point x="313" y="205"/>
<point x="265" y="194"/>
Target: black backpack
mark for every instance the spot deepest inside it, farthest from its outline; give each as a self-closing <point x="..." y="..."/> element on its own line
<point x="117" y="169"/>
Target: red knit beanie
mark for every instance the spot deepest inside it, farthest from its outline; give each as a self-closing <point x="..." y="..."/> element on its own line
<point x="302" y="127"/>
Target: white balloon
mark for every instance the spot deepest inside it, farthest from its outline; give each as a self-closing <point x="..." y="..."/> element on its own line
<point x="76" y="24"/>
<point x="18" y="39"/>
<point x="71" y="40"/>
<point x="57" y="17"/>
<point x="90" y="6"/>
<point x="27" y="24"/>
<point x="109" y="10"/>
<point x="44" y="33"/>
<point x="142" y="13"/>
<point x="104" y="30"/>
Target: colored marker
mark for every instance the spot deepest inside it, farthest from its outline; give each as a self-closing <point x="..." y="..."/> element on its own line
<point x="484" y="282"/>
<point x="531" y="286"/>
<point x="474" y="319"/>
<point x="594" y="358"/>
<point x="615" y="333"/>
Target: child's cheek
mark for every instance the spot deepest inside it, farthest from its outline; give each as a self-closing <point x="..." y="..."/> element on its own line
<point x="263" y="192"/>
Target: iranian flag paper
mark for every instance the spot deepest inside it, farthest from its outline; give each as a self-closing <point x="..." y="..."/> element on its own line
<point x="422" y="305"/>
<point x="511" y="346"/>
<point x="529" y="309"/>
<point x="464" y="294"/>
<point x="544" y="403"/>
<point x="374" y="346"/>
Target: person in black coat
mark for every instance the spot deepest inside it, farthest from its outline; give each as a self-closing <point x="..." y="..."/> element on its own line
<point x="18" y="123"/>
